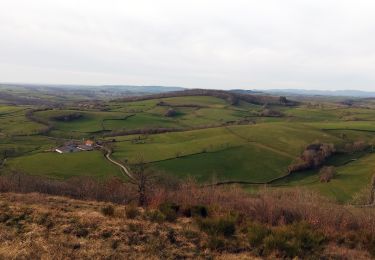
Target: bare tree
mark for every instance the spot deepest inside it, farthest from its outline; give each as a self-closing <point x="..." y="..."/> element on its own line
<point x="372" y="190"/>
<point x="143" y="178"/>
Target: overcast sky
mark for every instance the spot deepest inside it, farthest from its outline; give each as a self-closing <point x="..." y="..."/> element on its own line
<point x="252" y="44"/>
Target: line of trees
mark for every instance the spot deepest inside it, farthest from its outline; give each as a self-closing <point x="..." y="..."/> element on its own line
<point x="312" y="157"/>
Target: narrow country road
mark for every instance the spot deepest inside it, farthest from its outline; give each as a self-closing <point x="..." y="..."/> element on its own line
<point x="123" y="168"/>
<point x="127" y="172"/>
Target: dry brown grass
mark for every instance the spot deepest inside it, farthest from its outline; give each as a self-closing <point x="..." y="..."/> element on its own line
<point x="37" y="226"/>
<point x="45" y="227"/>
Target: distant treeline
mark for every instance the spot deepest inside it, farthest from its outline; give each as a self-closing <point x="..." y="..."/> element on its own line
<point x="68" y="117"/>
<point x="231" y="97"/>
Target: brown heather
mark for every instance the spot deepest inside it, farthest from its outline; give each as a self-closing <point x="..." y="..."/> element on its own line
<point x="99" y="226"/>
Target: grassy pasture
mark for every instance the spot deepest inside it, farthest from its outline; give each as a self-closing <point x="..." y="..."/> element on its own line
<point x="245" y="163"/>
<point x="284" y="137"/>
<point x="351" y="179"/>
<point x="169" y="145"/>
<point x="141" y="120"/>
<point x="14" y="122"/>
<point x="147" y="114"/>
<point x="345" y="125"/>
<point x="265" y="149"/>
<point x="312" y="114"/>
<point x="20" y="145"/>
<point x="89" y="123"/>
<point x="64" y="166"/>
<point x="353" y="135"/>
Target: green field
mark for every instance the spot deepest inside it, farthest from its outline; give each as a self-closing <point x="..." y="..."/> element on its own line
<point x="148" y="114"/>
<point x="14" y="122"/>
<point x="350" y="179"/>
<point x="64" y="166"/>
<point x="245" y="163"/>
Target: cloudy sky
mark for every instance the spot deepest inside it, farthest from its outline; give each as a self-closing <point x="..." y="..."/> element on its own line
<point x="253" y="44"/>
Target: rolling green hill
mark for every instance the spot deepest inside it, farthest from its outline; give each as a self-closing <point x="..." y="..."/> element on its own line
<point x="209" y="136"/>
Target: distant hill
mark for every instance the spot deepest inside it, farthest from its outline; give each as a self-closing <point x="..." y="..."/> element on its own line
<point x="338" y="93"/>
<point x="246" y="91"/>
<point x="144" y="89"/>
<point x="47" y="94"/>
<point x="233" y="97"/>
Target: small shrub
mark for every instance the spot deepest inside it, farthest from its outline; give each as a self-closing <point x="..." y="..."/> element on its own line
<point x="171" y="113"/>
<point x="135" y="227"/>
<point x="131" y="212"/>
<point x="294" y="240"/>
<point x="257" y="233"/>
<point x="216" y="243"/>
<point x="106" y="234"/>
<point x="108" y="210"/>
<point x="218" y="226"/>
<point x="169" y="210"/>
<point x="4" y="217"/>
<point x="171" y="236"/>
<point x="370" y="245"/>
<point x="327" y="173"/>
<point x="196" y="211"/>
<point x="81" y="231"/>
<point x="115" y="244"/>
<point x="155" y="216"/>
<point x="45" y="220"/>
<point x="190" y="234"/>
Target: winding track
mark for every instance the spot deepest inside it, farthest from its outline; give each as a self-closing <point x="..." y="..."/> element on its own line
<point x="123" y="168"/>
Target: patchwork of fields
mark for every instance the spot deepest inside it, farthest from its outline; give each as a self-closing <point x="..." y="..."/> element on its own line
<point x="206" y="137"/>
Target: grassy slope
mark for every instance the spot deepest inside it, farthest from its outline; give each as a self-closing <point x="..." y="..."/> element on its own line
<point x="64" y="166"/>
<point x="13" y="122"/>
<point x="147" y="114"/>
<point x="258" y="152"/>
<point x="246" y="163"/>
<point x="351" y="178"/>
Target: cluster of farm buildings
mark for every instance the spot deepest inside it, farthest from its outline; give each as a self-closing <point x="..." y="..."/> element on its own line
<point x="87" y="145"/>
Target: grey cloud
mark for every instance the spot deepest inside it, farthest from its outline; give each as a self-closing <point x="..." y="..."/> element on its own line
<point x="321" y="44"/>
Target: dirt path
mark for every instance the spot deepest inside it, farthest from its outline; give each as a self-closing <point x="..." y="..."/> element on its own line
<point x="123" y="168"/>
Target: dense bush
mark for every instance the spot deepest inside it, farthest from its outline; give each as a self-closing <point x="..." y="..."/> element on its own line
<point x="131" y="212"/>
<point x="270" y="113"/>
<point x="171" y="113"/>
<point x="288" y="241"/>
<point x="256" y="233"/>
<point x="312" y="157"/>
<point x="195" y="211"/>
<point x="218" y="226"/>
<point x="108" y="210"/>
<point x="155" y="216"/>
<point x="327" y="173"/>
<point x="170" y="211"/>
<point x="68" y="117"/>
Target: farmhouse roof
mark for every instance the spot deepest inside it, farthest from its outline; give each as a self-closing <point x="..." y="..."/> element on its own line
<point x="89" y="142"/>
<point x="67" y="149"/>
